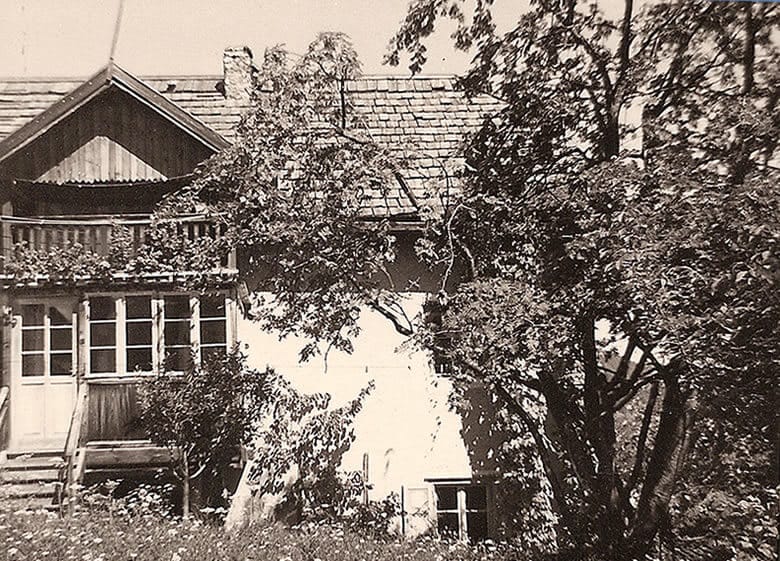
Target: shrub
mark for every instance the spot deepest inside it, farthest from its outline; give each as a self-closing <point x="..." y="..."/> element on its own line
<point x="203" y="416"/>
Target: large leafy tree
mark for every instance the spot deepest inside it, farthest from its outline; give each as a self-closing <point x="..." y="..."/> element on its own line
<point x="566" y="239"/>
<point x="292" y="193"/>
<point x="610" y="295"/>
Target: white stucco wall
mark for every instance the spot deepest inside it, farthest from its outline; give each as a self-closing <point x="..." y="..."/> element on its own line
<point x="406" y="426"/>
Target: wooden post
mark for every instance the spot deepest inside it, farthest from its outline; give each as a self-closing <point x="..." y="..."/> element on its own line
<point x="185" y="489"/>
<point x="365" y="478"/>
<point x="6" y="239"/>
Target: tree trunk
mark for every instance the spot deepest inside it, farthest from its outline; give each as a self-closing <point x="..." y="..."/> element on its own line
<point x="606" y="505"/>
<point x="672" y="441"/>
<point x="610" y="142"/>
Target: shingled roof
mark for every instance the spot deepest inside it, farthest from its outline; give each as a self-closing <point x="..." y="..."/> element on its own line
<point x="425" y="114"/>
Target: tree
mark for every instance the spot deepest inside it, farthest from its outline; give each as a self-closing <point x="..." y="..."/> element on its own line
<point x="292" y="192"/>
<point x="203" y="416"/>
<point x="298" y="452"/>
<point x="560" y="235"/>
<point x="594" y="285"/>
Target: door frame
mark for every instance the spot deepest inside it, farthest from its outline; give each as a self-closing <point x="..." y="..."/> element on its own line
<point x="47" y="381"/>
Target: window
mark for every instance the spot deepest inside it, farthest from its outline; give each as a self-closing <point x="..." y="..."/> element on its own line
<point x="138" y="334"/>
<point x="102" y="335"/>
<point x="461" y="511"/>
<point x="178" y="344"/>
<point x="47" y="341"/>
<point x="213" y="326"/>
<point x="145" y="333"/>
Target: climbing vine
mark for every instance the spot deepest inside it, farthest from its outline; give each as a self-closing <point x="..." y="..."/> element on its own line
<point x="164" y="250"/>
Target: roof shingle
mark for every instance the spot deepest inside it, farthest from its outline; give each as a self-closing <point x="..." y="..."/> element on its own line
<point x="424" y="118"/>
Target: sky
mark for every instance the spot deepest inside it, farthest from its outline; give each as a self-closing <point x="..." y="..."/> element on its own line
<point x="73" y="37"/>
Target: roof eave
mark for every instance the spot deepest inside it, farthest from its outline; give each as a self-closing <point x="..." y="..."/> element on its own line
<point x="98" y="83"/>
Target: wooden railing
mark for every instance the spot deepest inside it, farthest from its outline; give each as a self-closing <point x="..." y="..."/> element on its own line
<point x="94" y="236"/>
<point x="4" y="404"/>
<point x="94" y="233"/>
<point x="74" y="450"/>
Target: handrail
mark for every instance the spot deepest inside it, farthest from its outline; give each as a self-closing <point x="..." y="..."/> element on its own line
<point x="99" y="236"/>
<point x="73" y="442"/>
<point x="74" y="430"/>
<point x="99" y="220"/>
<point x="4" y="402"/>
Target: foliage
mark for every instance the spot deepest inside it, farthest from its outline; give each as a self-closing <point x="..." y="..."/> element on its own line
<point x="136" y="501"/>
<point x="595" y="286"/>
<point x="298" y="453"/>
<point x="203" y="415"/>
<point x="293" y="191"/>
<point x="374" y="518"/>
<point x="165" y="249"/>
<point x="142" y="536"/>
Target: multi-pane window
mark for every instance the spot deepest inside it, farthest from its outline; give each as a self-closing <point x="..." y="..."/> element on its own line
<point x="213" y="325"/>
<point x="461" y="511"/>
<point x="47" y="341"/>
<point x="102" y="335"/>
<point x="138" y="334"/>
<point x="146" y="333"/>
<point x="178" y="344"/>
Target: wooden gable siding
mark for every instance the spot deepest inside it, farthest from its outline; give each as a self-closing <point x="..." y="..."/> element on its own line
<point x="113" y="138"/>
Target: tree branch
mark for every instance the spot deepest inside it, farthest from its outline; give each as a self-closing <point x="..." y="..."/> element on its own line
<point x="639" y="458"/>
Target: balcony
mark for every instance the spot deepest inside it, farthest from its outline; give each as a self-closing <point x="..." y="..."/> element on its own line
<point x="127" y="240"/>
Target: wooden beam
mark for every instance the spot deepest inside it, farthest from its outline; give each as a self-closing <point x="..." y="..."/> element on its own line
<point x="121" y="457"/>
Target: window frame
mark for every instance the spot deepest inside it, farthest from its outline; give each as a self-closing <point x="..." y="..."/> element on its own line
<point x="461" y="509"/>
<point x="47" y="327"/>
<point x="158" y="322"/>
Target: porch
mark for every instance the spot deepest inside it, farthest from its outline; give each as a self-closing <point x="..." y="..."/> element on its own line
<point x="49" y="476"/>
<point x="72" y="362"/>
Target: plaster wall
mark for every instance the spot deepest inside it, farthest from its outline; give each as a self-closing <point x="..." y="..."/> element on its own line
<point x="406" y="426"/>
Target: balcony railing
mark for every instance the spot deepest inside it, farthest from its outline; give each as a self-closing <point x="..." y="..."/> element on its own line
<point x="95" y="234"/>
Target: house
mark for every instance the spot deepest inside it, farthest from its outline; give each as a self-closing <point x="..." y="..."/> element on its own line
<point x="80" y="161"/>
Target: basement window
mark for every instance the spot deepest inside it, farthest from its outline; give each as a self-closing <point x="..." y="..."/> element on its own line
<point x="462" y="511"/>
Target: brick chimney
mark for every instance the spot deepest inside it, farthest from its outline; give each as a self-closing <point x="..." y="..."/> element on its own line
<point x="238" y="72"/>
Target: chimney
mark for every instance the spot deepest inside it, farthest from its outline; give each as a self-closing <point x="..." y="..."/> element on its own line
<point x="238" y="72"/>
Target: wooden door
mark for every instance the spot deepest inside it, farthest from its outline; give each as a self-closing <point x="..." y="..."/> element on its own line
<point x="43" y="370"/>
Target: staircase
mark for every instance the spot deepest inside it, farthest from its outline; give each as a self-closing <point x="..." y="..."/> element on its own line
<point x="30" y="481"/>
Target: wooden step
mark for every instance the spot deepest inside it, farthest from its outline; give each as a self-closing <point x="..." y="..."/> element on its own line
<point x="34" y="462"/>
<point x="28" y="504"/>
<point x="29" y="475"/>
<point x="119" y="455"/>
<point x="33" y="489"/>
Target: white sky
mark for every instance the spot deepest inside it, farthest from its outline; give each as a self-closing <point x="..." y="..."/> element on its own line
<point x="73" y="37"/>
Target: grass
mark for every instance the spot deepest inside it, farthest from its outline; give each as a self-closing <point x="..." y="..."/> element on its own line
<point x="138" y="530"/>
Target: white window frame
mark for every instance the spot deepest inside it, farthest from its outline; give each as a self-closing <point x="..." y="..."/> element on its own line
<point x="158" y="329"/>
<point x="461" y="508"/>
<point x="47" y="327"/>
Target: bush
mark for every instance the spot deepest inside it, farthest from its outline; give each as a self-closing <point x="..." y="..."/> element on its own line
<point x="203" y="416"/>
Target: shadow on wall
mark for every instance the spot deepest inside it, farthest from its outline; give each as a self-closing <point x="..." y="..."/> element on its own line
<point x="480" y="432"/>
<point x="492" y="462"/>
